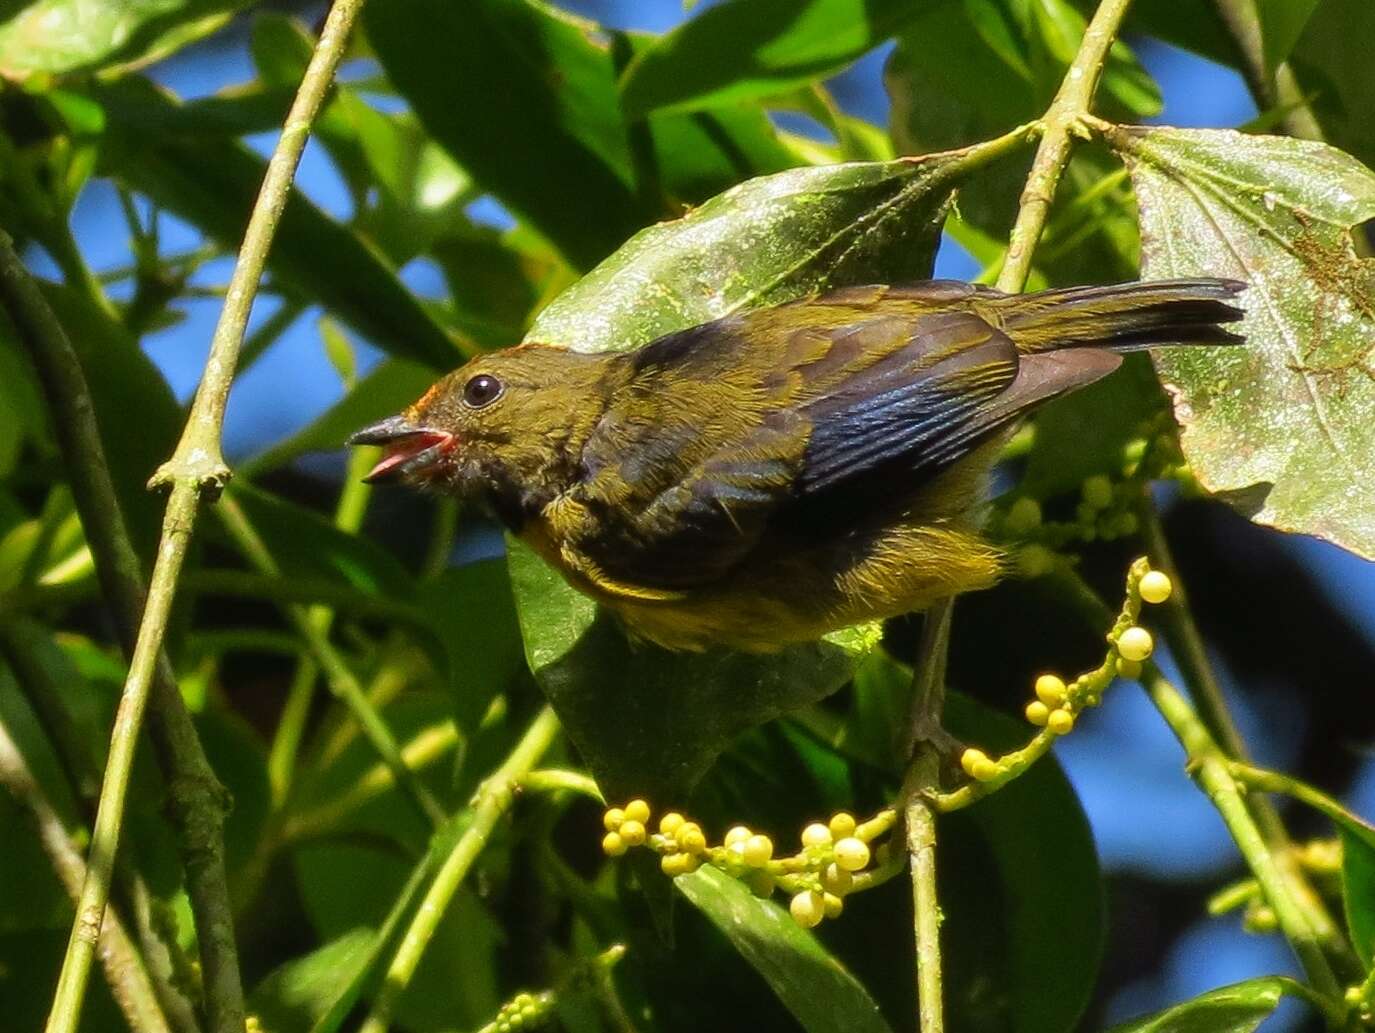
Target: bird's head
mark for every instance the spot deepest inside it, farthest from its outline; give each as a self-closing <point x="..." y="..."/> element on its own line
<point x="507" y="428"/>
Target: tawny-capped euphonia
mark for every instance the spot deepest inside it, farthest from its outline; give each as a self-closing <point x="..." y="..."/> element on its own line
<point x="776" y="474"/>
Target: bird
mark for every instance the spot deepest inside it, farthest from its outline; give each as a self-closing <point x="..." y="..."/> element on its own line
<point x="776" y="474"/>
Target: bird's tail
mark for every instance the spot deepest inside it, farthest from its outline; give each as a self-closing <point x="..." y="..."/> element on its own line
<point x="1125" y="317"/>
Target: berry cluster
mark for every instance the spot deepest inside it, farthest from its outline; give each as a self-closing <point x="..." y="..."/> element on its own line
<point x="1058" y="703"/>
<point x="834" y="859"/>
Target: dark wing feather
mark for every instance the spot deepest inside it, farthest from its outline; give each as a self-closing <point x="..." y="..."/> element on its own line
<point x="859" y="397"/>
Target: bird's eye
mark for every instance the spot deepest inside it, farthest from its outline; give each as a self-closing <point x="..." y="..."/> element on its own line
<point x="483" y="389"/>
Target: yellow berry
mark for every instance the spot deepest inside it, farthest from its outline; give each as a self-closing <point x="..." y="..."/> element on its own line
<point x="833" y="905"/>
<point x="1097" y="492"/>
<point x="761" y="884"/>
<point x="612" y="819"/>
<point x="1061" y="722"/>
<point x="985" y="771"/>
<point x="1129" y="669"/>
<point x="670" y="823"/>
<point x="637" y="810"/>
<point x="816" y="834"/>
<point x="738" y="834"/>
<point x="632" y="832"/>
<point x="677" y="864"/>
<point x="1035" y="560"/>
<point x="808" y="908"/>
<point x="1135" y="644"/>
<point x="690" y="838"/>
<point x="970" y="760"/>
<point x="613" y="845"/>
<point x="1023" y="516"/>
<point x="757" y="851"/>
<point x="1037" y="712"/>
<point x="1155" y="586"/>
<point x="835" y="879"/>
<point x="1050" y="690"/>
<point x="842" y="824"/>
<point x="852" y="854"/>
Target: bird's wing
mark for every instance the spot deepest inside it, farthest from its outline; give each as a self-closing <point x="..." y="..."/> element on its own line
<point x="746" y="421"/>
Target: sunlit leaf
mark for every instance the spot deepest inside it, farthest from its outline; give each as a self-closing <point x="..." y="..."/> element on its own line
<point x="59" y="36"/>
<point x="1239" y="1008"/>
<point x="745" y="49"/>
<point x="1284" y="427"/>
<point x="823" y="997"/>
<point x="1358" y="887"/>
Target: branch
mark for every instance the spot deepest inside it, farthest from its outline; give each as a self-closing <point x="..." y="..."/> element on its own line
<point x="1072" y="101"/>
<point x="197" y="799"/>
<point x="129" y="981"/>
<point x="1190" y="652"/>
<point x="494" y="799"/>
<point x="1071" y="104"/>
<point x="1210" y="767"/>
<point x="197" y="466"/>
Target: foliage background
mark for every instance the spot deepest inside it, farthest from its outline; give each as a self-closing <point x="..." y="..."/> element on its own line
<point x="1291" y="621"/>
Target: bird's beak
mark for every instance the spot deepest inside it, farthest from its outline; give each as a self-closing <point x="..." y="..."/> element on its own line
<point x="411" y="447"/>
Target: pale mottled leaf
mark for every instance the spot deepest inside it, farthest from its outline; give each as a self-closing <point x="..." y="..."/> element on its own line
<point x="1285" y="426"/>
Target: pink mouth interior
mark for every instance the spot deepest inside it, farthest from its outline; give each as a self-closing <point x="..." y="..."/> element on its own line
<point x="408" y="447"/>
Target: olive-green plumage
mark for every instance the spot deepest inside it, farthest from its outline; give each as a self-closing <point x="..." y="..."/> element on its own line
<point x="774" y="475"/>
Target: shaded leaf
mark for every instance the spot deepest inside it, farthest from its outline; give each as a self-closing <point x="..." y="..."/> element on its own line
<point x="296" y="994"/>
<point x="647" y="721"/>
<point x="739" y="51"/>
<point x="1281" y="24"/>
<point x="1358" y="887"/>
<point x="816" y="988"/>
<point x="1285" y="425"/>
<point x="1239" y="1008"/>
<point x="212" y="184"/>
<point x="1021" y="891"/>
<point x="1331" y="62"/>
<point x="55" y="37"/>
<point x="550" y="144"/>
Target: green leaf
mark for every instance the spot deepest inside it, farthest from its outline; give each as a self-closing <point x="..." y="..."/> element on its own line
<point x="1358" y="887"/>
<point x="296" y="994"/>
<point x="739" y="51"/>
<point x="1284" y="427"/>
<point x="1332" y="65"/>
<point x="1281" y="24"/>
<point x="1239" y="1008"/>
<point x="473" y="615"/>
<point x="761" y="243"/>
<point x="820" y="993"/>
<point x="550" y="143"/>
<point x="212" y="183"/>
<point x="647" y="721"/>
<point x="21" y="411"/>
<point x="392" y="385"/>
<point x="55" y="37"/>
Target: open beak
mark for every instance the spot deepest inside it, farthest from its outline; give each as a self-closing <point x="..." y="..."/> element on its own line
<point x="411" y="448"/>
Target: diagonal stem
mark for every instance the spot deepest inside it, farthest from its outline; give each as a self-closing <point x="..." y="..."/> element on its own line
<point x="196" y="467"/>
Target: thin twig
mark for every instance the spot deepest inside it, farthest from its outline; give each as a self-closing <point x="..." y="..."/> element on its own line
<point x="197" y="467"/>
<point x="1072" y="101"/>
<point x="494" y="799"/>
<point x="129" y="981"/>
